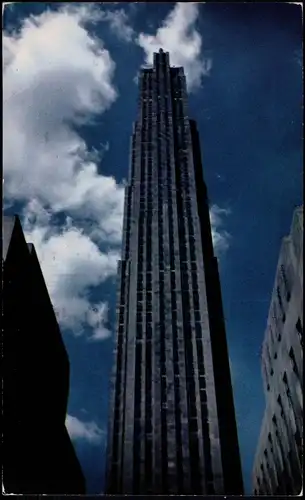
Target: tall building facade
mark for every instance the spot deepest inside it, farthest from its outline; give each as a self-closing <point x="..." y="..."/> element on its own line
<point x="38" y="456"/>
<point x="278" y="462"/>
<point x="172" y="425"/>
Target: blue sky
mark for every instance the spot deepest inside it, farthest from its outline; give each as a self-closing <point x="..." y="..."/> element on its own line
<point x="69" y="102"/>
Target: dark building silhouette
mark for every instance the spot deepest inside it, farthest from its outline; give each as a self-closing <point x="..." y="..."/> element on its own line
<point x="38" y="455"/>
<point x="172" y="427"/>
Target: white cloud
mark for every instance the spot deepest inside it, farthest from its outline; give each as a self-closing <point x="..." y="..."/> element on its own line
<point x="117" y="19"/>
<point x="71" y="263"/>
<point x="221" y="238"/>
<point x="56" y="75"/>
<point x="178" y="36"/>
<point x="88" y="431"/>
<point x="119" y="24"/>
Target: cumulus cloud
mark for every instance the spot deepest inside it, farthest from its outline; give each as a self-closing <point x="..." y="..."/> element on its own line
<point x="119" y="24"/>
<point x="87" y="431"/>
<point x="116" y="18"/>
<point x="56" y="76"/>
<point x="71" y="264"/>
<point x="178" y="36"/>
<point x="221" y="237"/>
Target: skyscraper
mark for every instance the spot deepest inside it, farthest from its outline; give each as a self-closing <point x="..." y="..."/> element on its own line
<point x="278" y="462"/>
<point x="172" y="424"/>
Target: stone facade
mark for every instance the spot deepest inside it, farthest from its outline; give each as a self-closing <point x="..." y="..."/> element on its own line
<point x="171" y="424"/>
<point x="278" y="461"/>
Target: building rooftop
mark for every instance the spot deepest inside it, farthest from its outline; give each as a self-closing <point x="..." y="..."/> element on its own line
<point x="8" y="224"/>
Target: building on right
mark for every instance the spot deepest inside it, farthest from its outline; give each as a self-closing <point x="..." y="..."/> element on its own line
<point x="278" y="461"/>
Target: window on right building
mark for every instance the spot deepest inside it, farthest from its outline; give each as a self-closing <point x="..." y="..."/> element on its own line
<point x="299" y="329"/>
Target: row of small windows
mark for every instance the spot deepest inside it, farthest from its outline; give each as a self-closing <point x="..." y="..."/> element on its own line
<point x="118" y="383"/>
<point x="148" y="317"/>
<point x="174" y="309"/>
<point x="162" y="350"/>
<point x="161" y="243"/>
<point x="185" y="268"/>
<point x="289" y="479"/>
<point x="184" y="224"/>
<point x="299" y="330"/>
<point x="279" y="477"/>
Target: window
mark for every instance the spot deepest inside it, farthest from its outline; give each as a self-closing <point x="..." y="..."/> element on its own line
<point x="196" y="300"/>
<point x="203" y="395"/>
<point x="269" y="359"/>
<point x="193" y="425"/>
<point x="174" y="313"/>
<point x="148" y="330"/>
<point x="293" y="361"/>
<point x="197" y="315"/>
<point x="278" y="292"/>
<point x="299" y="330"/>
<point x="279" y="400"/>
<point x="187" y="316"/>
<point x="285" y="380"/>
<point x="121" y="315"/>
<point x="202" y="383"/>
<point x="198" y="330"/>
